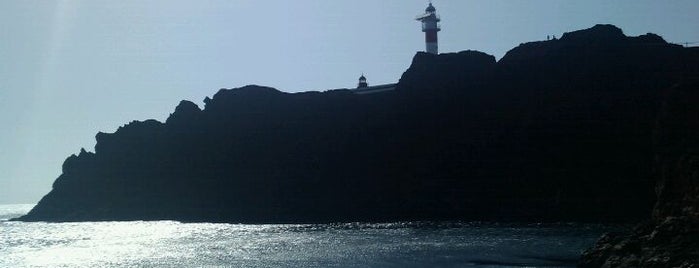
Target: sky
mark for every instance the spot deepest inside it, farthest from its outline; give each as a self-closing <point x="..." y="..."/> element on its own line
<point x="72" y="68"/>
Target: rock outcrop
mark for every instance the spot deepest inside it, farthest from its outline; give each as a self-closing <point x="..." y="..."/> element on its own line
<point x="559" y="130"/>
<point x="671" y="237"/>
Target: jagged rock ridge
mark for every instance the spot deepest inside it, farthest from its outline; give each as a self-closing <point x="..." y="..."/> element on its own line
<point x="558" y="130"/>
<point x="671" y="237"/>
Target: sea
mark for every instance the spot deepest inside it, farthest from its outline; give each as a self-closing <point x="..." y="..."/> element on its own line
<point x="399" y="244"/>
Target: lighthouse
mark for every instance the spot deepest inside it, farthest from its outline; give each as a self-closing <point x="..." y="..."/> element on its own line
<point x="362" y="82"/>
<point x="430" y="25"/>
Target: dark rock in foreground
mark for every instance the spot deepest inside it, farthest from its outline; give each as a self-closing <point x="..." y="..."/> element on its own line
<point x="672" y="242"/>
<point x="671" y="237"/>
<point x="560" y="130"/>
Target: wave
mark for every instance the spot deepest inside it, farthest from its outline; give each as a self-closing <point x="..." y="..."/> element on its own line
<point x="14" y="210"/>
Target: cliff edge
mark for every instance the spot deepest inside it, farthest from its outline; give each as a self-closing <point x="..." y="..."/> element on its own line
<point x="558" y="130"/>
<point x="671" y="237"/>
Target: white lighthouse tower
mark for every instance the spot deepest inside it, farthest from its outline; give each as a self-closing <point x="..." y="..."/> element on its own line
<point x="430" y="25"/>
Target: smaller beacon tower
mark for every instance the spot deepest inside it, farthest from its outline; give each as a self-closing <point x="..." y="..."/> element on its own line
<point x="430" y="25"/>
<point x="362" y="82"/>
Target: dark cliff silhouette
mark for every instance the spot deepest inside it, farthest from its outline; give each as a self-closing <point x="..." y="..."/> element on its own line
<point x="557" y="130"/>
<point x="670" y="238"/>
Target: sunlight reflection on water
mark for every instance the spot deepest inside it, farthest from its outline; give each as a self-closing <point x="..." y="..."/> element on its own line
<point x="168" y="243"/>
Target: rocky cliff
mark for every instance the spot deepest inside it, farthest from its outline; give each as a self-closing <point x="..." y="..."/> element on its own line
<point x="671" y="237"/>
<point x="559" y="130"/>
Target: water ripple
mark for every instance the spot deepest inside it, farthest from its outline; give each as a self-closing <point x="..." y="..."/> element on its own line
<point x="400" y="244"/>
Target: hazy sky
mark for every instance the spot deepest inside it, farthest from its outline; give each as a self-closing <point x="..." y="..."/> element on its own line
<point x="69" y="69"/>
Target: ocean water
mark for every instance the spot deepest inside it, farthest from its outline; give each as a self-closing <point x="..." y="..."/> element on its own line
<point x="403" y="244"/>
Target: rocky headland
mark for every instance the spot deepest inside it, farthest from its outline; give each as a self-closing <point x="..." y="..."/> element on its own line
<point x="670" y="238"/>
<point x="559" y="130"/>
